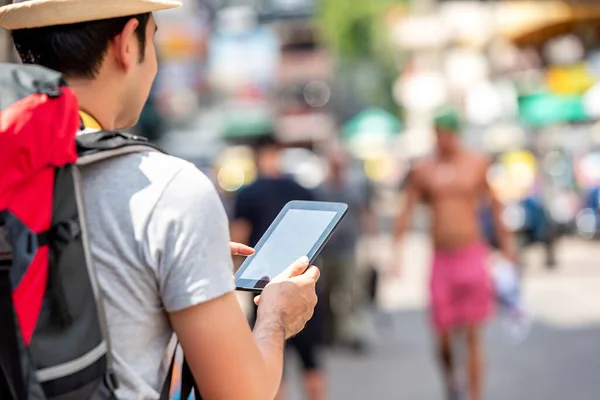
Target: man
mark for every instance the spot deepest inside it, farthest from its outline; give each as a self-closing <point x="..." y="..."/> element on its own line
<point x="256" y="208"/>
<point x="453" y="183"/>
<point x="344" y="287"/>
<point x="159" y="234"/>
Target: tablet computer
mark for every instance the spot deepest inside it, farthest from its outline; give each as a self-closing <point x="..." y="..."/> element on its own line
<point x="302" y="228"/>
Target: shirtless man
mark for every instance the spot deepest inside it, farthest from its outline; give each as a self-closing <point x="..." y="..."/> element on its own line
<point x="453" y="184"/>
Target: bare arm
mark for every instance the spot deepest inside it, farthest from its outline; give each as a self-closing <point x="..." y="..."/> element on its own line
<point x="218" y="344"/>
<point x="505" y="238"/>
<point x="413" y="196"/>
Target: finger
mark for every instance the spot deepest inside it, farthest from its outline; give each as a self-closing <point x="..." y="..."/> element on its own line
<point x="296" y="269"/>
<point x="238" y="249"/>
<point x="257" y="300"/>
<point x="313" y="273"/>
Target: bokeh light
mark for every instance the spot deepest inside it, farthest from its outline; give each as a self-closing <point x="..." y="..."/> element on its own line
<point x="305" y="166"/>
<point x="587" y="223"/>
<point x="317" y="94"/>
<point x="231" y="178"/>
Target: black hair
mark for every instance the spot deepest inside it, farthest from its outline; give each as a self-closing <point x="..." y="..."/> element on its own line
<point x="267" y="141"/>
<point x="75" y="50"/>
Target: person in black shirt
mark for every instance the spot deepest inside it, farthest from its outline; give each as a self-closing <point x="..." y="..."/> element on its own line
<point x="256" y="208"/>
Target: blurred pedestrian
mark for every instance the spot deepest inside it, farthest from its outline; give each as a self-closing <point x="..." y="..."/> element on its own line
<point x="346" y="289"/>
<point x="452" y="183"/>
<point x="256" y="208"/>
<point x="159" y="239"/>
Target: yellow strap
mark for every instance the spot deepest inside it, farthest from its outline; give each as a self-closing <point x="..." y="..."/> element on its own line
<point x="88" y="121"/>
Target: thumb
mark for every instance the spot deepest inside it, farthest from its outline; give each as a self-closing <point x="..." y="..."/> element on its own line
<point x="296" y="269"/>
<point x="238" y="249"/>
<point x="313" y="273"/>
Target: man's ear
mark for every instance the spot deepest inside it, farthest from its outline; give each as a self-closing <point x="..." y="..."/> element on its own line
<point x="126" y="46"/>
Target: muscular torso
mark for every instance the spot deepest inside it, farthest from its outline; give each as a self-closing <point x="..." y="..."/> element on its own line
<point x="453" y="190"/>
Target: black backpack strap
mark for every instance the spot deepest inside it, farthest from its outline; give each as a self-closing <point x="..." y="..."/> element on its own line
<point x="188" y="383"/>
<point x="102" y="145"/>
<point x="97" y="146"/>
<point x="165" y="394"/>
<point x="12" y="384"/>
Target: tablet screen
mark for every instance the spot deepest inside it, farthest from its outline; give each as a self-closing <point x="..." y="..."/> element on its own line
<point x="294" y="237"/>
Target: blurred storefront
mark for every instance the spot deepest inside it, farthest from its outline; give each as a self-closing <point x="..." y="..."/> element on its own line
<point x="524" y="74"/>
<point x="182" y="50"/>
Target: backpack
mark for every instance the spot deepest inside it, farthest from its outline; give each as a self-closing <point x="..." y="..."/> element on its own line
<point x="54" y="343"/>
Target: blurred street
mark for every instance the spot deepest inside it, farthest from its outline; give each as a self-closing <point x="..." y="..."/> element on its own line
<point x="380" y="104"/>
<point x="559" y="360"/>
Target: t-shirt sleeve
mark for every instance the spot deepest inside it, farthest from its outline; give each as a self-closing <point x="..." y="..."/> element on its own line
<point x="310" y="195"/>
<point x="190" y="235"/>
<point x="318" y="193"/>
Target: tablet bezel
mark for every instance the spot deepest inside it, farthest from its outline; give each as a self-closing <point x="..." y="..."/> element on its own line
<point x="253" y="285"/>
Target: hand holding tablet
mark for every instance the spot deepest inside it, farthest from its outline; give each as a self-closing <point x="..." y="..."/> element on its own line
<point x="301" y="229"/>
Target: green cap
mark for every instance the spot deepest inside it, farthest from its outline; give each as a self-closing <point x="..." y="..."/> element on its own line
<point x="447" y="119"/>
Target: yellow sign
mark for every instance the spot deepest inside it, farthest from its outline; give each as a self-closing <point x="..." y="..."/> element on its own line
<point x="514" y="176"/>
<point x="576" y="79"/>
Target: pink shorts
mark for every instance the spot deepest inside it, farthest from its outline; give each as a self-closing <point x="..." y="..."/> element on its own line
<point x="461" y="288"/>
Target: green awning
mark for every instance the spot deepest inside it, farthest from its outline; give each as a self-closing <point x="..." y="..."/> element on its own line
<point x="245" y="124"/>
<point x="543" y="109"/>
<point x="372" y="122"/>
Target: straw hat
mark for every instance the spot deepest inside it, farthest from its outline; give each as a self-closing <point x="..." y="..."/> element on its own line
<point x="24" y="14"/>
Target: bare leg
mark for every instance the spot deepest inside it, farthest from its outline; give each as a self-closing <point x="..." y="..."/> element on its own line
<point x="550" y="253"/>
<point x="446" y="361"/>
<point x="476" y="363"/>
<point x="315" y="385"/>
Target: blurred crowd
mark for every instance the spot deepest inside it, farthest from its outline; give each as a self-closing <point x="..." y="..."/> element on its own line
<point x="524" y="81"/>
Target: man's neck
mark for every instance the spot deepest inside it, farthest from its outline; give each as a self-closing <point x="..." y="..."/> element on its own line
<point x="98" y="100"/>
<point x="336" y="181"/>
<point x="272" y="174"/>
<point x="449" y="156"/>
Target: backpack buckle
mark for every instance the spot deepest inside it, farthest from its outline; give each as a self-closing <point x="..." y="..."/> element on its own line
<point x="50" y="90"/>
<point x="5" y="247"/>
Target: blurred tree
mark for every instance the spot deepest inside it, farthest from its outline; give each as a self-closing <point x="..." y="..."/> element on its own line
<point x="358" y="37"/>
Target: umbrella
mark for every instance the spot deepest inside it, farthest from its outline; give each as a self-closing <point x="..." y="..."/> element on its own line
<point x="371" y="123"/>
<point x="246" y="121"/>
<point x="534" y="22"/>
<point x="370" y="133"/>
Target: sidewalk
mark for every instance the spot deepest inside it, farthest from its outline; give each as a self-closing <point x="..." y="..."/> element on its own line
<point x="560" y="360"/>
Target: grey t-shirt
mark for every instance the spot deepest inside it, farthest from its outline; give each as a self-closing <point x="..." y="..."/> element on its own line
<point x="159" y="239"/>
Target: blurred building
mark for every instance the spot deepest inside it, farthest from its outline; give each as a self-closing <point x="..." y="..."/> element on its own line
<point x="303" y="94"/>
